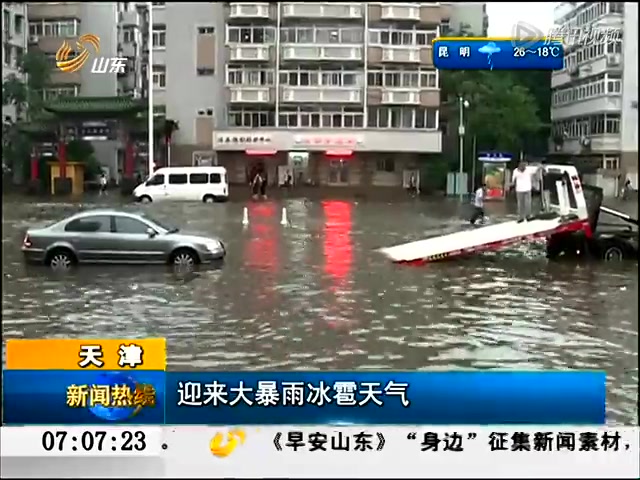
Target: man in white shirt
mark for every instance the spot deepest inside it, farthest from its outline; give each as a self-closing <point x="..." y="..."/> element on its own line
<point x="478" y="205"/>
<point x="521" y="180"/>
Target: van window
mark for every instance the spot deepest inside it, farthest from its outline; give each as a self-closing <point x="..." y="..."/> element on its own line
<point x="198" y="178"/>
<point x="178" y="178"/>
<point x="157" y="179"/>
<point x="215" y="178"/>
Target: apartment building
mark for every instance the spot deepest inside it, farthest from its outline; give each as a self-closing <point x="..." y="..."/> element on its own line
<point x="472" y="18"/>
<point x="595" y="97"/>
<point x="120" y="27"/>
<point x="14" y="44"/>
<point x="335" y="93"/>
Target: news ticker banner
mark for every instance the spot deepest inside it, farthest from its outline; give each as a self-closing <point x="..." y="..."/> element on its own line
<point x="290" y="451"/>
<point x="497" y="54"/>
<point x="125" y="382"/>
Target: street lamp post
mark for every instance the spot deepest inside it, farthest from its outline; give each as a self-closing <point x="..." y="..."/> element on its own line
<point x="462" y="104"/>
<point x="150" y="119"/>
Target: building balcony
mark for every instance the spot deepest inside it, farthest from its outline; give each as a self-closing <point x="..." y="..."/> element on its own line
<point x="321" y="94"/>
<point x="130" y="18"/>
<point x="241" y="94"/>
<point x="400" y="97"/>
<point x="297" y="52"/>
<point x="607" y="63"/>
<point x="400" y="12"/>
<point x="602" y="104"/>
<point x="403" y="96"/>
<point x="599" y="143"/>
<point x="423" y="13"/>
<point x="56" y="77"/>
<point x="55" y="11"/>
<point x="343" y="11"/>
<point x="422" y="55"/>
<point x="239" y="10"/>
<point x="49" y="44"/>
<point x="249" y="53"/>
<point x="128" y="50"/>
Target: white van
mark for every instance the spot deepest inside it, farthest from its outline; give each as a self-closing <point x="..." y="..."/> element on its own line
<point x="201" y="184"/>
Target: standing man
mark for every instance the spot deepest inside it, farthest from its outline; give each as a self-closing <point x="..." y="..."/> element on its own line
<point x="521" y="180"/>
<point x="478" y="205"/>
<point x="103" y="183"/>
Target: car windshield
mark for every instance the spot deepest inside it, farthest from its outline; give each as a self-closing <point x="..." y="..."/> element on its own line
<point x="165" y="226"/>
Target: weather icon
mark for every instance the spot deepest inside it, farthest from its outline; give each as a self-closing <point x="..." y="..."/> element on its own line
<point x="489" y="49"/>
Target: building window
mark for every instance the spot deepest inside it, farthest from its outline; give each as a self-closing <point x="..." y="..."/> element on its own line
<point x="322" y="35"/>
<point x="159" y="76"/>
<point x="6" y="21"/>
<point x="611" y="163"/>
<point x="588" y="126"/>
<point x="128" y="35"/>
<point x="386" y="165"/>
<point x="251" y="35"/>
<point x="250" y="76"/>
<point x="395" y="37"/>
<point x="159" y="35"/>
<point x="52" y="93"/>
<point x="594" y="87"/>
<point x="206" y="30"/>
<point x="328" y="78"/>
<point x="19" y="24"/>
<point x="403" y="118"/>
<point x="252" y="118"/>
<point x="300" y="117"/>
<point x="400" y="79"/>
<point x="54" y="28"/>
<point x="7" y="54"/>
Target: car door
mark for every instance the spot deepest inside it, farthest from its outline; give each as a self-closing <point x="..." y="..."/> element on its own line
<point x="178" y="188"/>
<point x="157" y="187"/>
<point x="134" y="242"/>
<point x="199" y="185"/>
<point x="92" y="238"/>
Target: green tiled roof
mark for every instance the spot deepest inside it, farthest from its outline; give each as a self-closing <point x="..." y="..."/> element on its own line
<point x="95" y="105"/>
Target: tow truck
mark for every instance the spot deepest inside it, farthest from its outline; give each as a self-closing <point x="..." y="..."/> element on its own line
<point x="604" y="241"/>
<point x="569" y="224"/>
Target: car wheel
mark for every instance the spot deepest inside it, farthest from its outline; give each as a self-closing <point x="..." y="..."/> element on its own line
<point x="145" y="199"/>
<point x="184" y="259"/>
<point x="61" y="260"/>
<point x="208" y="199"/>
<point x="613" y="253"/>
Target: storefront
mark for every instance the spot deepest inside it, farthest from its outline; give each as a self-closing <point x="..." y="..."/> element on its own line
<point x="351" y="158"/>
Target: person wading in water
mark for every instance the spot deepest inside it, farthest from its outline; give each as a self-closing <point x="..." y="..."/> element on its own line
<point x="256" y="184"/>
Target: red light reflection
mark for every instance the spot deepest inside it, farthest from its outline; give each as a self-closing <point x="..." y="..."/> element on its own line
<point x="261" y="252"/>
<point x="338" y="252"/>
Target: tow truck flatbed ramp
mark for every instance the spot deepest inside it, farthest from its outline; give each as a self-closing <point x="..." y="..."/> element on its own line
<point x="566" y="212"/>
<point x="490" y="237"/>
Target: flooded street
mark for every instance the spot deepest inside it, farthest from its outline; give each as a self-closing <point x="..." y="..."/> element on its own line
<point x="315" y="295"/>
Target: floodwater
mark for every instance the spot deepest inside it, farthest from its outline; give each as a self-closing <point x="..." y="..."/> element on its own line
<point x="315" y="295"/>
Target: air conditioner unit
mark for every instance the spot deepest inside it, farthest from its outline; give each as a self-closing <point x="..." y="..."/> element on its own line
<point x="613" y="59"/>
<point x="34" y="38"/>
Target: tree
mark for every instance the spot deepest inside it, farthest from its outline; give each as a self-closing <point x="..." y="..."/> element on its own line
<point x="501" y="113"/>
<point x="26" y="97"/>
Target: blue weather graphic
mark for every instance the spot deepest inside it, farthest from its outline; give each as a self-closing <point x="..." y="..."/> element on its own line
<point x="489" y="49"/>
